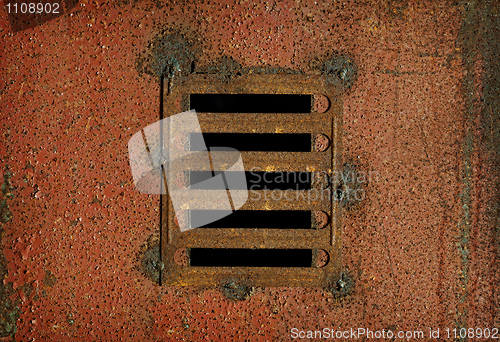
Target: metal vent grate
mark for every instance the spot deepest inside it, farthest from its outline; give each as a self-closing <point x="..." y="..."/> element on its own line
<point x="288" y="131"/>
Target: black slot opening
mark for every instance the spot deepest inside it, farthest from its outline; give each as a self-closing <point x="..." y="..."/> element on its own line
<point x="239" y="257"/>
<point x="255" y="180"/>
<point x="251" y="103"/>
<point x="273" y="219"/>
<point x="281" y="142"/>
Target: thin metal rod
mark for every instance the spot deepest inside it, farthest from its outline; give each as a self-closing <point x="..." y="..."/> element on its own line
<point x="160" y="262"/>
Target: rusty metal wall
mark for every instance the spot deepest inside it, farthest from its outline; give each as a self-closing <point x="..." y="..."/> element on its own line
<point x="420" y="121"/>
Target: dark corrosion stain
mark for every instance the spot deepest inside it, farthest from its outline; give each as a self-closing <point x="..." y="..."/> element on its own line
<point x="9" y="308"/>
<point x="148" y="259"/>
<point x="343" y="286"/>
<point x="479" y="41"/>
<point x="338" y="69"/>
<point x="236" y="290"/>
<point x="467" y="40"/>
<point x="490" y="134"/>
<point x="169" y="53"/>
<point x="5" y="214"/>
<point x="150" y="263"/>
<point x="397" y="9"/>
<point x="49" y="279"/>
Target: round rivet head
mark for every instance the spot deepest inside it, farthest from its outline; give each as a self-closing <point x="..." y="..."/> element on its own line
<point x="321" y="103"/>
<point x="321" y="142"/>
<point x="322" y="258"/>
<point x="181" y="257"/>
<point x="320" y="219"/>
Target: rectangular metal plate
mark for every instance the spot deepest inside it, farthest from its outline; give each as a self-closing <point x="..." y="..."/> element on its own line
<point x="177" y="270"/>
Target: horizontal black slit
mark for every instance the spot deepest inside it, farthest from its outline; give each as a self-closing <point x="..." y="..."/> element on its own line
<point x="281" y="142"/>
<point x="240" y="257"/>
<point x="273" y="219"/>
<point x="255" y="180"/>
<point x="251" y="103"/>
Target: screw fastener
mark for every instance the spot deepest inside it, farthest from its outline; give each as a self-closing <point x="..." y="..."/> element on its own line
<point x="321" y="142"/>
<point x="322" y="258"/>
<point x="320" y="219"/>
<point x="181" y="257"/>
<point x="321" y="103"/>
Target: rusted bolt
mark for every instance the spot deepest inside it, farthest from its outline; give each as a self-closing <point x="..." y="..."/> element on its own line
<point x="322" y="258"/>
<point x="321" y="142"/>
<point x="343" y="73"/>
<point x="181" y="257"/>
<point x="321" y="103"/>
<point x="320" y="180"/>
<point x="320" y="219"/>
<point x="340" y="68"/>
<point x="343" y="286"/>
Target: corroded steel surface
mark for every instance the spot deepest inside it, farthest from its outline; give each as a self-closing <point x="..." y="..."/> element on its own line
<point x="324" y="157"/>
<point x="79" y="245"/>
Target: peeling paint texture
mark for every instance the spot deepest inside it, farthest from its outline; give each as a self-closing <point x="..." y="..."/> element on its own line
<point x="78" y="257"/>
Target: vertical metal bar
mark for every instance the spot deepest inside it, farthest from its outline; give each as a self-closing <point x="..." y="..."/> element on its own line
<point x="160" y="262"/>
<point x="333" y="167"/>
